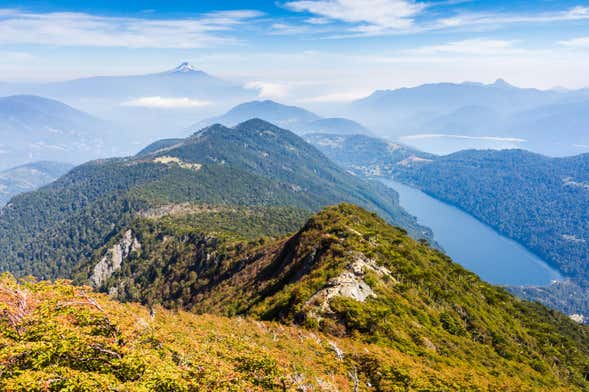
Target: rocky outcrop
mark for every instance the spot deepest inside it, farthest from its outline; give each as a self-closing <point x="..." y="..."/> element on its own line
<point x="349" y="283"/>
<point x="166" y="160"/>
<point x="577" y="318"/>
<point x="114" y="257"/>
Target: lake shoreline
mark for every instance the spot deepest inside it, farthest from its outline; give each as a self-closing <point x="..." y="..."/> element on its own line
<point x="499" y="252"/>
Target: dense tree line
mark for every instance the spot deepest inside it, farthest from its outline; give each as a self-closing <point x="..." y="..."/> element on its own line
<point x="541" y="202"/>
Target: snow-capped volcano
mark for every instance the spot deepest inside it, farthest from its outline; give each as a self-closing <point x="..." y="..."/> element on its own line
<point x="186" y="67"/>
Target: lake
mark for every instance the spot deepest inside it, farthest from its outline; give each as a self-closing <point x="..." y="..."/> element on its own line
<point x="473" y="244"/>
<point x="442" y="144"/>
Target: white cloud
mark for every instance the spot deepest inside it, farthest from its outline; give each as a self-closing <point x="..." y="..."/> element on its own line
<point x="290" y="29"/>
<point x="317" y="21"/>
<point x="580" y="42"/>
<point x="11" y="56"/>
<point x="269" y="89"/>
<point x="81" y="29"/>
<point x="372" y="14"/>
<point x="578" y="11"/>
<point x="380" y="17"/>
<point x="470" y="47"/>
<point x="348" y="96"/>
<point x="473" y="19"/>
<point x="166" y="103"/>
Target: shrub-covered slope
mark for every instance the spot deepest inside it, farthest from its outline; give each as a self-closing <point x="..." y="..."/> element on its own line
<point x="349" y="274"/>
<point x="48" y="232"/>
<point x="62" y="337"/>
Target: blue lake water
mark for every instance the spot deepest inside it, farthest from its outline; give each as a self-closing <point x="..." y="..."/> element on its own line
<point x="471" y="243"/>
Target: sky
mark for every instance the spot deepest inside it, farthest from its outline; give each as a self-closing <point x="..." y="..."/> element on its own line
<point x="311" y="51"/>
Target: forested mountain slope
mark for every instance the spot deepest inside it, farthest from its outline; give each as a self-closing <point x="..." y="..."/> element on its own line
<point x="366" y="155"/>
<point x="48" y="232"/>
<point x="541" y="202"/>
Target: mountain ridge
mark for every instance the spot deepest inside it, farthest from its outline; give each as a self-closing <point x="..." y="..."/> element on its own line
<point x="510" y="111"/>
<point x="29" y="177"/>
<point x="37" y="128"/>
<point x="254" y="164"/>
<point x="347" y="273"/>
<point x="291" y="117"/>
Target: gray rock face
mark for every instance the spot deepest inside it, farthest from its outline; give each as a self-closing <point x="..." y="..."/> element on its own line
<point x="349" y="283"/>
<point x="114" y="257"/>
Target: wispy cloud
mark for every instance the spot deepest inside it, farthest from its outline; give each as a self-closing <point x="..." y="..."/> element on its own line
<point x="81" y="29"/>
<point x="365" y="18"/>
<point x="496" y="19"/>
<point x="469" y="47"/>
<point x="580" y="42"/>
<point x="269" y="89"/>
<point x="370" y="14"/>
<point x="317" y="21"/>
<point x="12" y="56"/>
<point x="337" y="97"/>
<point x="166" y="103"/>
<point x="283" y="28"/>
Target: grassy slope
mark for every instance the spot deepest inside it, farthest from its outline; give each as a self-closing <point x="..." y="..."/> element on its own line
<point x="57" y="336"/>
<point x="431" y="309"/>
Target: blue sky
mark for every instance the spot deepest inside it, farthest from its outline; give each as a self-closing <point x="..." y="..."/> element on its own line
<point x="302" y="50"/>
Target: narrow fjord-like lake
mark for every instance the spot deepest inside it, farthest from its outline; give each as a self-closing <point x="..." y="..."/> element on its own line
<point x="476" y="246"/>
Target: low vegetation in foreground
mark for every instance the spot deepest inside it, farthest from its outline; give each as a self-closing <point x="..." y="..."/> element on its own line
<point x="347" y="303"/>
<point x="55" y="336"/>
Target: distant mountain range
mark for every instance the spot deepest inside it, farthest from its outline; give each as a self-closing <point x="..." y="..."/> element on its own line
<point x="33" y="128"/>
<point x="446" y="116"/>
<point x="552" y="122"/>
<point x="368" y="156"/>
<point x="252" y="164"/>
<point x="183" y="81"/>
<point x="29" y="177"/>
<point x="448" y="97"/>
<point x="294" y="118"/>
<point x="152" y="105"/>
